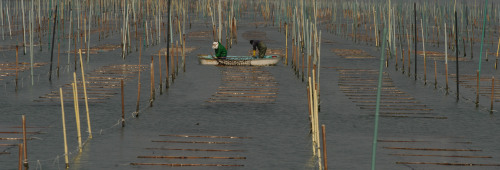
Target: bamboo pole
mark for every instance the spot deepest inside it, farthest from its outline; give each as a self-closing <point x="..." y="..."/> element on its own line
<point x="85" y="94"/>
<point x="481" y="49"/>
<point x="316" y="126"/>
<point x="325" y="163"/>
<point x="77" y="113"/>
<point x="311" y="114"/>
<point x="64" y="129"/>
<point x="88" y="44"/>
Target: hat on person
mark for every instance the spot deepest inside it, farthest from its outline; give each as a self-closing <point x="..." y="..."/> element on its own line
<point x="215" y="45"/>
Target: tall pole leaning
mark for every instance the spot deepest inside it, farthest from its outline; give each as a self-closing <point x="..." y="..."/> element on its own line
<point x="85" y="93"/>
<point x="379" y="87"/>
<point x="481" y="50"/>
<point x="64" y="129"/>
<point x="52" y="50"/>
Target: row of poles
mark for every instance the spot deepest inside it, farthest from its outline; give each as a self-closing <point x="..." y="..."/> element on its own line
<point x="396" y="17"/>
<point x="301" y="18"/>
<point x="104" y="14"/>
<point x="171" y="61"/>
<point x="84" y="16"/>
<point x="346" y="17"/>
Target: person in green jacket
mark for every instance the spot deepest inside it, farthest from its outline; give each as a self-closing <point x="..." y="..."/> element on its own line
<point x="220" y="50"/>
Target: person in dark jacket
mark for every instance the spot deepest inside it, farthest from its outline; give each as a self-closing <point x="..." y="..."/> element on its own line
<point x="220" y="50"/>
<point x="257" y="44"/>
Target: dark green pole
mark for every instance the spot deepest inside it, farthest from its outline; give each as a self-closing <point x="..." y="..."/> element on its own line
<point x="379" y="87"/>
<point x="52" y="51"/>
<point x="481" y="51"/>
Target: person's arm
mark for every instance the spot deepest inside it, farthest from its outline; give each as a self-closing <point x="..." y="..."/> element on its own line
<point x="254" y="44"/>
<point x="218" y="53"/>
<point x="223" y="50"/>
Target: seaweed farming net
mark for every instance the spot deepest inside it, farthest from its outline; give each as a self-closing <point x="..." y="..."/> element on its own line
<point x="233" y="62"/>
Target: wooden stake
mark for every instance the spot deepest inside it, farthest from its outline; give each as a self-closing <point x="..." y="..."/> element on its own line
<point x="286" y="43"/>
<point x="492" y="92"/>
<point x="159" y="68"/>
<point x="58" y="56"/>
<point x="123" y="104"/>
<point x="177" y="58"/>
<point x="409" y="62"/>
<point x="64" y="129"/>
<point x="435" y="74"/>
<point x="477" y="89"/>
<point x="396" y="57"/>
<point x="20" y="165"/>
<point x="446" y="65"/>
<point x="166" y="69"/>
<point x="17" y="53"/>
<point x="183" y="53"/>
<point x="172" y="59"/>
<point x="25" y="148"/>
<point x="152" y="83"/>
<point x="75" y="52"/>
<point x="403" y="56"/>
<point x="139" y="82"/>
<point x="387" y="59"/>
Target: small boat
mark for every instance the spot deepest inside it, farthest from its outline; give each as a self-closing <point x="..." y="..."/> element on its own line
<point x="268" y="60"/>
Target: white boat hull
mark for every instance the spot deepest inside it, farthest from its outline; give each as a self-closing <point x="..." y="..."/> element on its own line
<point x="243" y="61"/>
